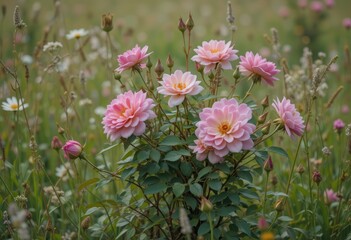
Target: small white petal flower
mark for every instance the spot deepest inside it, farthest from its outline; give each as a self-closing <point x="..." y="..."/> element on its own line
<point x="12" y="104"/>
<point x="52" y="46"/>
<point x="77" y="33"/>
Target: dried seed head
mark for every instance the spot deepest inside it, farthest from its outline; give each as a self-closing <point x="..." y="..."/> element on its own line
<point x="230" y="17"/>
<point x="184" y="222"/>
<point x="17" y="20"/>
<point x="300" y="169"/>
<point x="107" y="22"/>
<point x="274" y="180"/>
<point x="317" y="177"/>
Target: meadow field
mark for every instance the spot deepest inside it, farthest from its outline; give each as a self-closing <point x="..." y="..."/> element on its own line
<point x="165" y="119"/>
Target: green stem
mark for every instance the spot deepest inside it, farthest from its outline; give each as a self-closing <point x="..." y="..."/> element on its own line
<point x="7" y="188"/>
<point x="211" y="225"/>
<point x="248" y="91"/>
<point x="265" y="193"/>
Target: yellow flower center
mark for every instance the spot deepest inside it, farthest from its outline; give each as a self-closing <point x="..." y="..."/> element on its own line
<point x="179" y="86"/>
<point x="14" y="106"/>
<point x="215" y="50"/>
<point x="223" y="128"/>
<point x="77" y="35"/>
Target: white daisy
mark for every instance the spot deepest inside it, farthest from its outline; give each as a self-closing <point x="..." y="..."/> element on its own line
<point x="77" y="33"/>
<point x="52" y="46"/>
<point x="12" y="104"/>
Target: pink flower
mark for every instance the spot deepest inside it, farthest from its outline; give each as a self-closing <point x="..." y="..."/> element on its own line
<point x="126" y="115"/>
<point x="288" y="115"/>
<point x="56" y="144"/>
<point x="284" y="12"/>
<point x="132" y="59"/>
<point x="317" y="6"/>
<point x="330" y="3"/>
<point x="346" y="23"/>
<point x="224" y="128"/>
<point x="302" y="3"/>
<point x="72" y="149"/>
<point x="338" y="125"/>
<point x="178" y="85"/>
<point x="262" y="224"/>
<point x="345" y="109"/>
<point x="213" y="52"/>
<point x="330" y="196"/>
<point x="202" y="152"/>
<point x="251" y="64"/>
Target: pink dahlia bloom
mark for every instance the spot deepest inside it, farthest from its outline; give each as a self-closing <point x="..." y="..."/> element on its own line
<point x="178" y="85"/>
<point x="132" y="59"/>
<point x="291" y="118"/>
<point x="330" y="196"/>
<point x="213" y="52"/>
<point x="251" y="64"/>
<point x="202" y="152"/>
<point x="72" y="149"/>
<point x="126" y="115"/>
<point x="225" y="127"/>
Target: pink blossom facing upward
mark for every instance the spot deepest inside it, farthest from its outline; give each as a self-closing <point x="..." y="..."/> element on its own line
<point x="292" y="120"/>
<point x="330" y="196"/>
<point x="222" y="129"/>
<point x="72" y="149"/>
<point x="346" y="23"/>
<point x="132" y="59"/>
<point x="213" y="52"/>
<point x="126" y="115"/>
<point x="178" y="85"/>
<point x="251" y="64"/>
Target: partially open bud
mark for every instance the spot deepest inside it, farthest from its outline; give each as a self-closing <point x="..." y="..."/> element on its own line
<point x="199" y="67"/>
<point x="107" y="22"/>
<point x="268" y="164"/>
<point x="169" y="62"/>
<point x="181" y="25"/>
<point x="317" y="177"/>
<point x="266" y="128"/>
<point x="265" y="102"/>
<point x="279" y="205"/>
<point x="190" y="23"/>
<point x="205" y="205"/>
<point x="262" y="118"/>
<point x="72" y="149"/>
<point x="85" y="223"/>
<point x="149" y="63"/>
<point x="159" y="68"/>
<point x="56" y="144"/>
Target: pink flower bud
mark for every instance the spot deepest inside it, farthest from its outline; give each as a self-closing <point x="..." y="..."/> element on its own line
<point x="347" y="23"/>
<point x="72" y="149"/>
<point x="56" y="144"/>
<point x="268" y="164"/>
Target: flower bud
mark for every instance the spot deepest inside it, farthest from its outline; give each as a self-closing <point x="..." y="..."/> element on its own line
<point x="60" y="130"/>
<point x="317" y="177"/>
<point x="338" y="125"/>
<point x="266" y="128"/>
<point x="268" y="164"/>
<point x="189" y="23"/>
<point x="169" y="61"/>
<point x="279" y="205"/>
<point x="236" y="73"/>
<point x="262" y="224"/>
<point x="300" y="169"/>
<point x="274" y="180"/>
<point x="56" y="144"/>
<point x="181" y="25"/>
<point x="107" y="22"/>
<point x="149" y="63"/>
<point x="199" y="67"/>
<point x="117" y="75"/>
<point x="262" y="118"/>
<point x="159" y="68"/>
<point x="205" y="205"/>
<point x="265" y="102"/>
<point x="72" y="149"/>
<point x="85" y="223"/>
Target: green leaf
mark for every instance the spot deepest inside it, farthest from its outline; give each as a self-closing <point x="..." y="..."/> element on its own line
<point x="204" y="228"/>
<point x="186" y="168"/>
<point x="190" y="201"/>
<point x="184" y="152"/>
<point x="203" y="172"/>
<point x="226" y="211"/>
<point x="142" y="155"/>
<point x="278" y="150"/>
<point x="234" y="197"/>
<point x="155" y="155"/>
<point x="196" y="189"/>
<point x="243" y="226"/>
<point x="178" y="189"/>
<point x="247" y="193"/>
<point x="108" y="148"/>
<point x="215" y="184"/>
<point x="172" y="156"/>
<point x="285" y="219"/>
<point x="91" y="210"/>
<point x="245" y="175"/>
<point x="155" y="188"/>
<point x="127" y="172"/>
<point x="171" y="141"/>
<point x="87" y="183"/>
